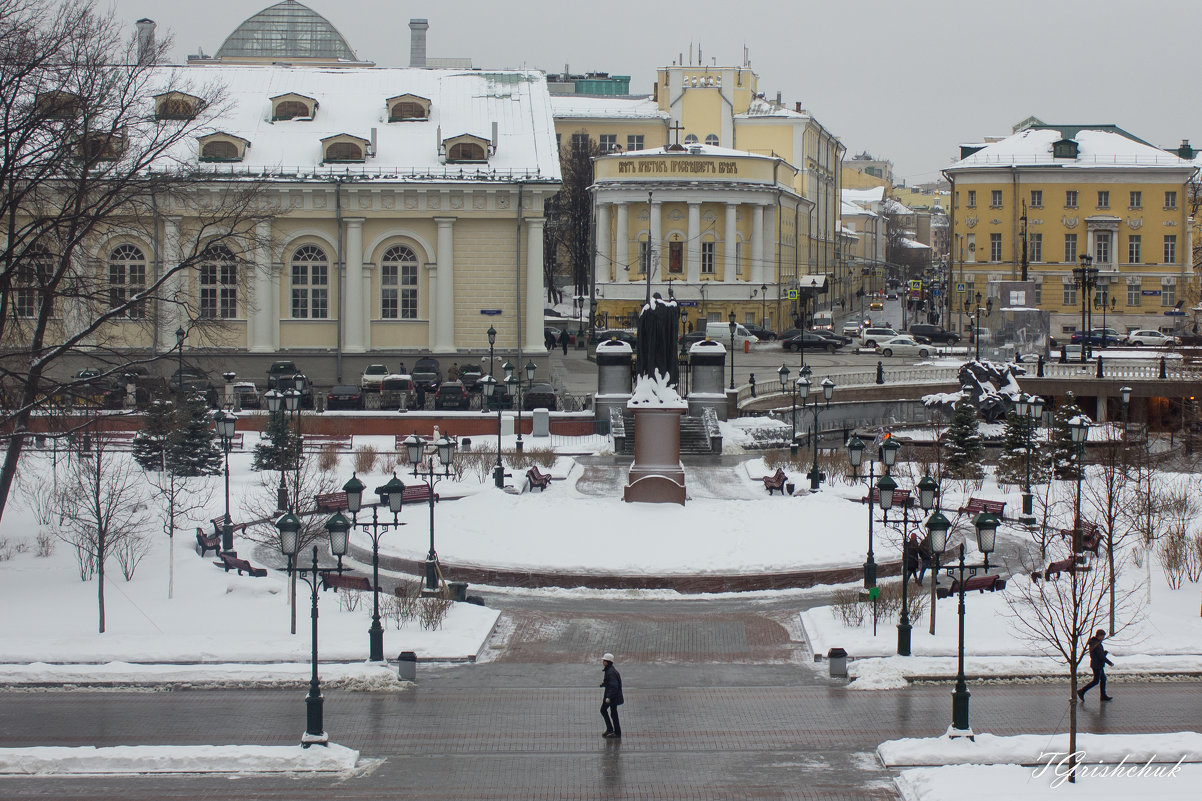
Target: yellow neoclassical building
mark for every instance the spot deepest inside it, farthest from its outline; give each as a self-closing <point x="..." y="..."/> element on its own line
<point x="728" y="197"/>
<point x="1074" y="191"/>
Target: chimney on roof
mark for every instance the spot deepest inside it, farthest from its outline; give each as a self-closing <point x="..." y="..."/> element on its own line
<point x="494" y="136"/>
<point x="417" y="42"/>
<point x="797" y="105"/>
<point x="778" y="97"/>
<point x="1185" y="151"/>
<point x="145" y="40"/>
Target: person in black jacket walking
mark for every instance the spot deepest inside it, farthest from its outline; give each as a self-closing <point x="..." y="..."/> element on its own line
<point x="612" y="684"/>
<point x="1098" y="660"/>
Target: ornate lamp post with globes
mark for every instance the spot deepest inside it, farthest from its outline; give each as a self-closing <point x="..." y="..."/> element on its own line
<point x="498" y="472"/>
<point x="394" y="492"/>
<point x="426" y="473"/>
<point x="225" y="422"/>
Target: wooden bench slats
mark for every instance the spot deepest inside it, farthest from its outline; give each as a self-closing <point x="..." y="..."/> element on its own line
<point x="316" y="442"/>
<point x="336" y="501"/>
<point x="979" y="505"/>
<point x="776" y="481"/>
<point x="344" y="581"/>
<point x="988" y="581"/>
<point x="208" y="542"/>
<point x="537" y="478"/>
<point x="234" y="563"/>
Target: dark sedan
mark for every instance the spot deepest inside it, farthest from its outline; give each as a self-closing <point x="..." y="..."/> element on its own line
<point x="765" y="334"/>
<point x="540" y="396"/>
<point x="345" y="396"/>
<point x="811" y="342"/>
<point x="451" y="395"/>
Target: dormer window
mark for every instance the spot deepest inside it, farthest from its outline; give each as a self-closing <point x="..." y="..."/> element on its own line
<point x="59" y="105"/>
<point x="101" y="146"/>
<point x="177" y="106"/>
<point x="407" y="107"/>
<point x="466" y="149"/>
<point x="221" y="146"/>
<point x="293" y="107"/>
<point x="1064" y="149"/>
<point x="344" y="149"/>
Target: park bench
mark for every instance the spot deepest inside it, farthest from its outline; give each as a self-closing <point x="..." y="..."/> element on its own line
<point x="235" y="441"/>
<point x="776" y="481"/>
<point x="537" y="478"/>
<point x="976" y="506"/>
<point x="231" y="562"/>
<point x="987" y="581"/>
<point x="344" y="581"/>
<point x="901" y="497"/>
<point x="336" y="501"/>
<point x="210" y="542"/>
<point x="317" y="442"/>
<point x="1070" y="565"/>
<point x="1091" y="536"/>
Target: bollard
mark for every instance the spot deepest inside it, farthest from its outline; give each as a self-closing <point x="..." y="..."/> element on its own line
<point x="1064" y="354"/>
<point x="1163" y="374"/>
<point x="407" y="666"/>
<point x="1039" y="367"/>
<point x="1100" y="366"/>
<point x="837" y="658"/>
<point x="880" y="372"/>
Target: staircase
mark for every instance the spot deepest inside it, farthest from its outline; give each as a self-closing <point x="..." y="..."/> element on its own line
<point x="694" y="436"/>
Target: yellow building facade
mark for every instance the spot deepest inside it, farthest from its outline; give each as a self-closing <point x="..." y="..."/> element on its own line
<point x="757" y="240"/>
<point x="1073" y="192"/>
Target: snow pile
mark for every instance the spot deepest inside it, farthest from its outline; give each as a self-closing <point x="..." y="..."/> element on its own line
<point x="1026" y="749"/>
<point x="124" y="759"/>
<point x="1007" y="782"/>
<point x="655" y="391"/>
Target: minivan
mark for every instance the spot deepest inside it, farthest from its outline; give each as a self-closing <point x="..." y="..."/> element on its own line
<point x="720" y="332"/>
<point x="871" y="337"/>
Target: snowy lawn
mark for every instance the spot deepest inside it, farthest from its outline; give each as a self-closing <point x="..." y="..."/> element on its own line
<point x="1008" y="782"/>
<point x="143" y="759"/>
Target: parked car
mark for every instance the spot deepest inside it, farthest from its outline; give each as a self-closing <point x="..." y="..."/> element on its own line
<point x="1151" y="337"/>
<point x="192" y="379"/>
<point x="809" y="341"/>
<point x="427" y="373"/>
<point x="903" y="346"/>
<point x="372" y="376"/>
<point x="689" y="339"/>
<point x="451" y="395"/>
<point x="851" y="330"/>
<point x="828" y="334"/>
<point x="869" y="337"/>
<point x="279" y="369"/>
<point x="540" y="396"/>
<point x="615" y="333"/>
<point x="345" y="396"/>
<point x="246" y="395"/>
<point x="764" y="334"/>
<point x="1098" y="336"/>
<point x="395" y="390"/>
<point x="933" y="334"/>
<point x="470" y="375"/>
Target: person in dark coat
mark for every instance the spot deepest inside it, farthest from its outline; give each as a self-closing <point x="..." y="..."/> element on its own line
<point x="563" y="341"/>
<point x="612" y="684"/>
<point x="420" y="390"/>
<point x="1098" y="660"/>
<point x="913" y="560"/>
<point x="924" y="555"/>
<point x="548" y="338"/>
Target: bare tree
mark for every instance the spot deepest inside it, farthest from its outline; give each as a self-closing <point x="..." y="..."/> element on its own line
<point x="1105" y="489"/>
<point x="182" y="497"/>
<point x="1057" y="616"/>
<point x="1144" y="508"/>
<point x="86" y="151"/>
<point x="104" y="504"/>
<point x="569" y="227"/>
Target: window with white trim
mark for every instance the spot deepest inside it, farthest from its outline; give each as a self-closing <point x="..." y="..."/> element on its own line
<point x="1170" y="200"/>
<point x="218" y="283"/>
<point x="310" y="283"/>
<point x="995" y="247"/>
<point x="634" y="142"/>
<point x="1036" y="198"/>
<point x="1070" y="248"/>
<point x="1136" y="200"/>
<point x="644" y="265"/>
<point x="1038" y="293"/>
<point x="1103" y="198"/>
<point x="1168" y="295"/>
<point x="1170" y="248"/>
<point x="1070" y="292"/>
<point x="972" y="198"/>
<point x="708" y="260"/>
<point x="127" y="278"/>
<point x="711" y="140"/>
<point x="1134" y="295"/>
<point x="609" y="143"/>
<point x="1134" y="248"/>
<point x="1035" y="247"/>
<point x="1070" y="198"/>
<point x="34" y="268"/>
<point x="398" y="284"/>
<point x="1101" y="247"/>
<point x="995" y="198"/>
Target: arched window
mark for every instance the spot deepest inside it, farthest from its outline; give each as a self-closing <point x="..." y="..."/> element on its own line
<point x="34" y="269"/>
<point x="712" y="140"/>
<point x="310" y="283"/>
<point x="398" y="284"/>
<point x="219" y="151"/>
<point x="466" y="151"/>
<point x="690" y="139"/>
<point x="218" y="283"/>
<point x="290" y="110"/>
<point x="127" y="277"/>
<point x="344" y="151"/>
<point x="407" y="111"/>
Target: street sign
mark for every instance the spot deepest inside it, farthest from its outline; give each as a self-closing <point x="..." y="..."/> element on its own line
<point x="874" y="592"/>
<point x="960" y="287"/>
<point x="490" y="312"/>
<point x="791" y="294"/>
<point x="686" y="303"/>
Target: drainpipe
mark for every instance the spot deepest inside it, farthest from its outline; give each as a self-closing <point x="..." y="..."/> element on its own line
<point x="339" y="273"/>
<point x="521" y="328"/>
<point x="1013" y="218"/>
<point x="158" y="273"/>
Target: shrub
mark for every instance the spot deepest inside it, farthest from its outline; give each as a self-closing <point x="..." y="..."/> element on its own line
<point x="848" y="608"/>
<point x="431" y="612"/>
<point x="327" y="458"/>
<point x="45" y="542"/>
<point x="365" y="459"/>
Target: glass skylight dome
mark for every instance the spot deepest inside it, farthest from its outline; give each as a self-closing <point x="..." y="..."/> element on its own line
<point x="286" y="31"/>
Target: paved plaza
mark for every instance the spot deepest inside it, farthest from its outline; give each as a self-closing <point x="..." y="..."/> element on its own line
<point x="723" y="702"/>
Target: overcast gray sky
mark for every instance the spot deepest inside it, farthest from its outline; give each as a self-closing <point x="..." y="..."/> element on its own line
<point x="907" y="81"/>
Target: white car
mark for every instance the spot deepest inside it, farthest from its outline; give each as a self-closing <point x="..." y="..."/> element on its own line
<point x="1151" y="337"/>
<point x="372" y="377"/>
<point x="904" y="346"/>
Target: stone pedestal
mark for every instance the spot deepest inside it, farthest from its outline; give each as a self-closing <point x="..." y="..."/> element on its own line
<point x="657" y="475"/>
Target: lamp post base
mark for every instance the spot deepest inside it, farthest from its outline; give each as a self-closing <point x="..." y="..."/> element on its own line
<point x="315" y="730"/>
<point x="903" y="638"/>
<point x="431" y="573"/>
<point x="227" y="535"/>
<point x="960" y="698"/>
<point x="498" y="476"/>
<point x="375" y="641"/>
<point x="869" y="573"/>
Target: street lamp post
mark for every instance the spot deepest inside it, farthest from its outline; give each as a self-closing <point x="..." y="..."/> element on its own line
<point x="1125" y="396"/>
<point x="180" y="333"/>
<point x="225" y="423"/>
<point x="977" y="332"/>
<point x="732" y="350"/>
<point x="926" y="497"/>
<point x="986" y="527"/>
<point x="784" y="379"/>
<point x="1086" y="277"/>
<point x="446" y="447"/>
<point x="531" y="367"/>
<point x="1103" y="301"/>
<point x="492" y="340"/>
<point x="1079" y="429"/>
<point x="498" y="472"/>
<point x="855" y="455"/>
<point x="289" y="529"/>
<point x="275" y="406"/>
<point x="828" y="391"/>
<point x="763" y="299"/>
<point x="1030" y="409"/>
<point x="393" y="492"/>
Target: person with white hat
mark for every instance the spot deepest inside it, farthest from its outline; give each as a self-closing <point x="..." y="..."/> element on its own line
<point x="612" y="684"/>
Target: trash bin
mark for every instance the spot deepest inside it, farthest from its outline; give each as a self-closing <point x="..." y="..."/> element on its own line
<point x="407" y="666"/>
<point x="838" y="662"/>
<point x="458" y="590"/>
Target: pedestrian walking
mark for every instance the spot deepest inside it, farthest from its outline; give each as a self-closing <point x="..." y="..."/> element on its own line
<point x="453" y="373"/>
<point x="924" y="555"/>
<point x="403" y="371"/>
<point x="548" y="339"/>
<point x="563" y="341"/>
<point x="1098" y="660"/>
<point x="751" y="381"/>
<point x="419" y="389"/>
<point x="913" y="560"/>
<point x="611" y="683"/>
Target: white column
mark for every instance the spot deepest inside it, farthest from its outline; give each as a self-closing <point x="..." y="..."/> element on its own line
<point x="173" y="314"/>
<point x="603" y="262"/>
<point x="730" y="245"/>
<point x="366" y="315"/>
<point x="444" y="312"/>
<point x="757" y="244"/>
<point x="263" y="327"/>
<point x="352" y="325"/>
<point x="431" y="303"/>
<point x="657" y="238"/>
<point x="622" y="246"/>
<point x="535" y="294"/>
<point x="693" y="247"/>
<point x="767" y="272"/>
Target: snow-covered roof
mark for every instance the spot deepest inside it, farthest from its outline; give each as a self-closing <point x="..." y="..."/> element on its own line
<point x="1095" y="148"/>
<point x="914" y="244"/>
<point x="852" y="210"/>
<point x="697" y="149"/>
<point x="873" y="194"/>
<point x="351" y="100"/>
<point x="759" y="107"/>
<point x="286" y="30"/>
<point x="577" y="106"/>
<point x="895" y="207"/>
